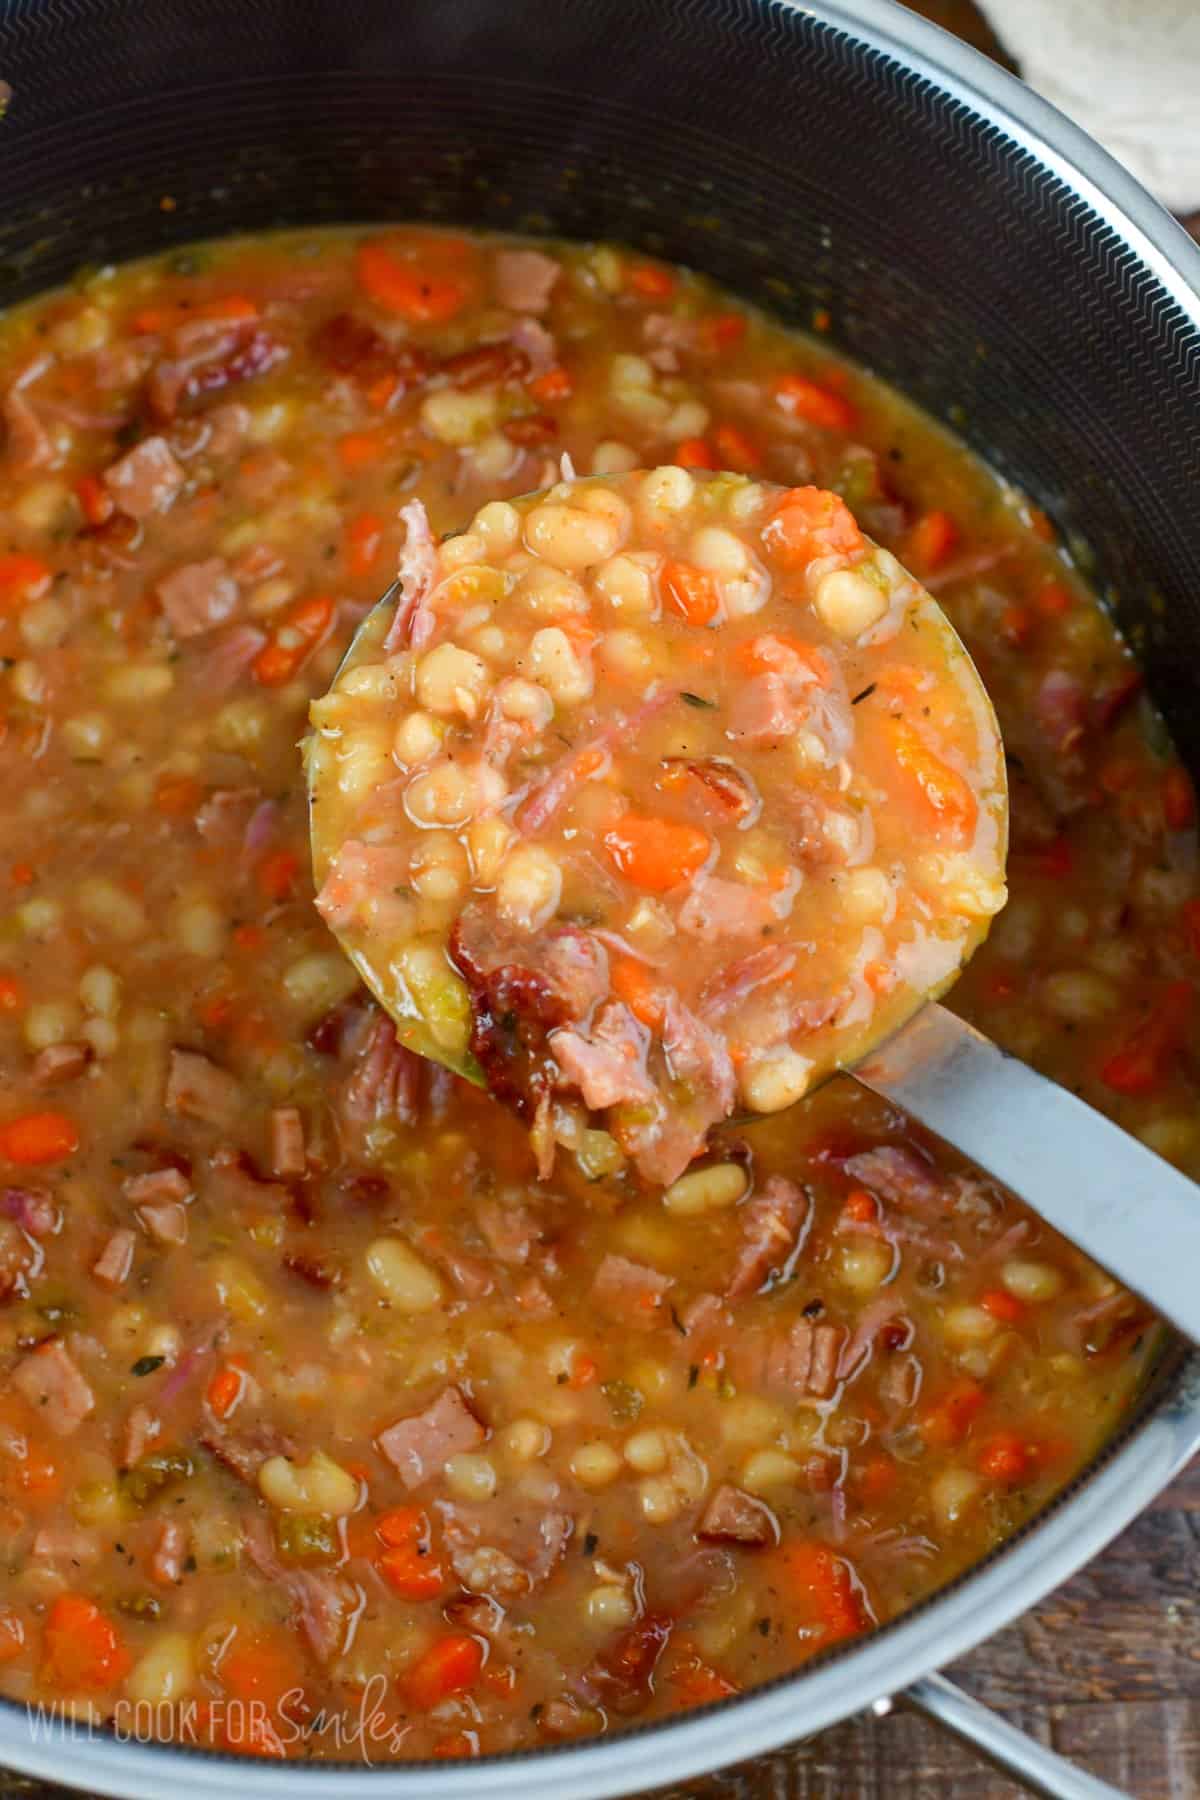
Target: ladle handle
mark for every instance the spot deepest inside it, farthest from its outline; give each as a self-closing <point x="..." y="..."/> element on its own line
<point x="1100" y="1187"/>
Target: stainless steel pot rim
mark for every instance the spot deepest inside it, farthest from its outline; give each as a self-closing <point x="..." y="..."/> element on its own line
<point x="948" y="1625"/>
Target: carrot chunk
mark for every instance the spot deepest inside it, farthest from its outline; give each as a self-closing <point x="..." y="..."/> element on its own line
<point x="735" y="450"/>
<point x="1005" y="1458"/>
<point x="656" y="854"/>
<point x="809" y="522"/>
<point x="945" y="792"/>
<point x="81" y="1648"/>
<point x="827" y="1589"/>
<point x="363" y="537"/>
<point x="694" y="453"/>
<point x="303" y="627"/>
<point x="801" y="398"/>
<point x="428" y="286"/>
<point x="555" y="384"/>
<point x="1142" y="1063"/>
<point x="451" y="1666"/>
<point x="23" y="577"/>
<point x="651" y="281"/>
<point x="930" y="542"/>
<point x="949" y="1419"/>
<point x="692" y="593"/>
<point x="634" y="983"/>
<point x="39" y="1137"/>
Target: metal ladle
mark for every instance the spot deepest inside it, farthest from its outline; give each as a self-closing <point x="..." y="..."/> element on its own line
<point x="1102" y="1189"/>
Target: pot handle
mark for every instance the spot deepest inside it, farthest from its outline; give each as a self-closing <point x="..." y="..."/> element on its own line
<point x="1106" y="1192"/>
<point x="1040" y="1770"/>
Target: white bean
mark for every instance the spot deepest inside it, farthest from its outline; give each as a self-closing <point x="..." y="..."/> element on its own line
<point x="553" y="662"/>
<point x="320" y="1485"/>
<point x="451" y="680"/>
<point x="706" y="1190"/>
<point x="848" y="603"/>
<point x="775" y="1079"/>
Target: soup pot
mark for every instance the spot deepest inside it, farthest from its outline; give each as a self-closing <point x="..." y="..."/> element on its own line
<point x="967" y="243"/>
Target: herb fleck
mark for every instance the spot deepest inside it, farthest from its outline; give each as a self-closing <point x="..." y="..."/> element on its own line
<point x="698" y="700"/>
<point x="146" y="1365"/>
<point x="865" y="694"/>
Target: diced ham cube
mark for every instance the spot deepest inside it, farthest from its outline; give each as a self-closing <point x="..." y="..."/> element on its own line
<point x="902" y="1178"/>
<point x="386" y="1080"/>
<point x="66" y="1544"/>
<point x="224" y="816"/>
<point x="198" y="1089"/>
<point x="788" y="1364"/>
<point x="166" y="1564"/>
<point x="735" y="1517"/>
<point x="630" y="1292"/>
<point x="510" y="1229"/>
<point x="59" y="1062"/>
<point x="50" y="1381"/>
<point x="146" y="479"/>
<point x="159" y="1184"/>
<point x="198" y="597"/>
<point x="142" y="1427"/>
<point x="33" y="1209"/>
<point x="287" y="1141"/>
<point x="111" y="1268"/>
<point x="772" y="1227"/>
<point x="420" y="1446"/>
<point x="166" y="1221"/>
<point x="525" y="280"/>
<point x="718" y="911"/>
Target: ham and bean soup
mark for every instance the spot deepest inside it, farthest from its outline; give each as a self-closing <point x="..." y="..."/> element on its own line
<point x="316" y="1400"/>
<point x="550" y="854"/>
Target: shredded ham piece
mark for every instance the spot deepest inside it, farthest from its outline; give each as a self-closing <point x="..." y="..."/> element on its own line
<point x="414" y="623"/>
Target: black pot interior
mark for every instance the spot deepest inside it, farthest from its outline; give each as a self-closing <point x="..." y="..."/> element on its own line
<point x="792" y="161"/>
<point x="797" y="164"/>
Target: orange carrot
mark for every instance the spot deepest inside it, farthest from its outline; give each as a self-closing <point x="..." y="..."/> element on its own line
<point x="411" y="1572"/>
<point x="451" y="1666"/>
<point x="36" y="1474"/>
<point x="827" y="1589"/>
<point x="262" y="1666"/>
<point x="694" y="453"/>
<point x="695" y="1683"/>
<point x="1053" y="598"/>
<point x="95" y="501"/>
<point x="555" y="384"/>
<point x="584" y="1371"/>
<point x="363" y="536"/>
<point x="778" y="652"/>
<point x="949" y="1419"/>
<point x="879" y="1478"/>
<point x="23" y="577"/>
<point x="22" y="874"/>
<point x="945" y="792"/>
<point x="81" y="1648"/>
<point x="1142" y="1063"/>
<point x="361" y="449"/>
<point x="12" y="994"/>
<point x="735" y="450"/>
<point x="806" y="523"/>
<point x="656" y="854"/>
<point x="635" y="985"/>
<point x="304" y="626"/>
<point x="225" y="1390"/>
<point x="801" y="398"/>
<point x="693" y="593"/>
<point x="249" y="937"/>
<point x="177" y="796"/>
<point x="721" y="332"/>
<point x="930" y="542"/>
<point x="427" y="288"/>
<point x="276" y="875"/>
<point x="651" y="281"/>
<point x="39" y="1137"/>
<point x="1003" y="1306"/>
<point x="1005" y="1458"/>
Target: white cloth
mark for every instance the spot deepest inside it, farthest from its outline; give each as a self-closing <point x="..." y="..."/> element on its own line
<point x="1126" y="70"/>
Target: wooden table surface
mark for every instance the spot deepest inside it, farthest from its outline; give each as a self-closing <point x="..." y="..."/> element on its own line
<point x="1107" y="1670"/>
